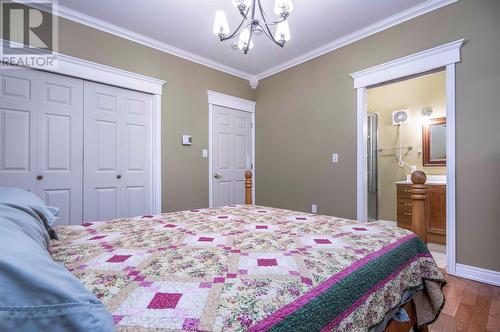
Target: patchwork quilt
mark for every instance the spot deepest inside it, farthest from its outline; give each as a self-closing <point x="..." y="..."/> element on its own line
<point x="253" y="268"/>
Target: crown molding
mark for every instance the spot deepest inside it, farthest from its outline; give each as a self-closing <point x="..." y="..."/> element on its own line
<point x="92" y="71"/>
<point x="118" y="31"/>
<point x="254" y="82"/>
<point x="384" y="24"/>
<point x="389" y="22"/>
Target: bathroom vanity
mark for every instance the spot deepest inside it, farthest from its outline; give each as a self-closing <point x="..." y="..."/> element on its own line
<point x="435" y="208"/>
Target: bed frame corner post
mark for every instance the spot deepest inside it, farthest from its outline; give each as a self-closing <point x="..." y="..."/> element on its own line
<point x="248" y="187"/>
<point x="418" y="195"/>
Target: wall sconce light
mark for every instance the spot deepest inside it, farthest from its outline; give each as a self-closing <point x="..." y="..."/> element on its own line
<point x="426" y="115"/>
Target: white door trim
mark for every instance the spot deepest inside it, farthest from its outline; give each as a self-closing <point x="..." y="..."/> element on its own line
<point x="92" y="71"/>
<point x="216" y="98"/>
<point x="438" y="57"/>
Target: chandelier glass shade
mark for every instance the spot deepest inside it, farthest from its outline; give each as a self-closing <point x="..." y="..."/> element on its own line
<point x="255" y="20"/>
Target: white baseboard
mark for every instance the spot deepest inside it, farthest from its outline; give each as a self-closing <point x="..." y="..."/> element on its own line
<point x="478" y="274"/>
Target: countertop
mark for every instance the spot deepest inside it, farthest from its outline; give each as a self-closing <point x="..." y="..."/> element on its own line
<point x="436" y="180"/>
<point x="430" y="183"/>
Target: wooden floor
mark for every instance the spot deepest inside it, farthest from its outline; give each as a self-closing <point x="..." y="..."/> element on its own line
<point x="470" y="306"/>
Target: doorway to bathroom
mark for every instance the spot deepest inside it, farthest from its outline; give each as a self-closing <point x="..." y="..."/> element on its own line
<point x="406" y="131"/>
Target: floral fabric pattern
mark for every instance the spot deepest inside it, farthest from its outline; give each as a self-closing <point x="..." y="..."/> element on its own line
<point x="237" y="268"/>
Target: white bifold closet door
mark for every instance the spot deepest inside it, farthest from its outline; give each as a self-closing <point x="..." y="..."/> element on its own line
<point x="41" y="138"/>
<point x="117" y="152"/>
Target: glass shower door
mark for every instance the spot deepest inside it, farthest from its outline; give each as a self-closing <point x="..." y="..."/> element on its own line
<point x="372" y="166"/>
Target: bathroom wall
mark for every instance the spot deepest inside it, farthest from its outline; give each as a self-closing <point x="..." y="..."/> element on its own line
<point x="413" y="94"/>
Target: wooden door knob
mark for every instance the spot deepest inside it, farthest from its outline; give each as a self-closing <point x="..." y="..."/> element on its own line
<point x="39" y="177"/>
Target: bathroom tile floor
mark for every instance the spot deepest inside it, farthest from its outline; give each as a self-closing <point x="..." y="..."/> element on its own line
<point x="438" y="251"/>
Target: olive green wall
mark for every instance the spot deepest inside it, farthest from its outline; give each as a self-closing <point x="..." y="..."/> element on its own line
<point x="184" y="104"/>
<point x="413" y="95"/>
<point x="308" y="112"/>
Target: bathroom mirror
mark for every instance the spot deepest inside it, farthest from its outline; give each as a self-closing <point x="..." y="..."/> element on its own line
<point x="434" y="142"/>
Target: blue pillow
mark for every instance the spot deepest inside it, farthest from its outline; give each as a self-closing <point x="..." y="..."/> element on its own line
<point x="37" y="293"/>
<point x="28" y="200"/>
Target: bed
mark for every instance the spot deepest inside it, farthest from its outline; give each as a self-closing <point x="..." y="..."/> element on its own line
<point x="252" y="268"/>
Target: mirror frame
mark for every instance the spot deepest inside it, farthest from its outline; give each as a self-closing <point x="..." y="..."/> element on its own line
<point x="426" y="144"/>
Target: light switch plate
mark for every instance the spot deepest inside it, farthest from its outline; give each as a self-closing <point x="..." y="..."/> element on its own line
<point x="335" y="158"/>
<point x="204" y="153"/>
<point x="314" y="208"/>
<point x="187" y="140"/>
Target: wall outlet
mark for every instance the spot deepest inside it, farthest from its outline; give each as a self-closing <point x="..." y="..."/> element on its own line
<point x="335" y="158"/>
<point x="314" y="208"/>
<point x="413" y="168"/>
<point x="204" y="153"/>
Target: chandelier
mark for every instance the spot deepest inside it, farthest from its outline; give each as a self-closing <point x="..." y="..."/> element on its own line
<point x="251" y="25"/>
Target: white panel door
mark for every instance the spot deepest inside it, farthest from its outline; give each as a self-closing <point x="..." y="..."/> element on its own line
<point x="18" y="120"/>
<point x="60" y="145"/>
<point x="41" y="138"/>
<point x="231" y="154"/>
<point x="117" y="150"/>
<point x="136" y="156"/>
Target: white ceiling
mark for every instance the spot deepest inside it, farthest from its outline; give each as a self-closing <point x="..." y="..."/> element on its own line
<point x="185" y="27"/>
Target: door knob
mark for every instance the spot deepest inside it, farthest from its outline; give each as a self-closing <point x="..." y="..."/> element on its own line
<point x="119" y="176"/>
<point x="39" y="177"/>
<point x="217" y="176"/>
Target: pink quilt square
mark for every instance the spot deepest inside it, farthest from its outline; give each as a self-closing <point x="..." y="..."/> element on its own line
<point x="205" y="239"/>
<point x="164" y="301"/>
<point x="118" y="258"/>
<point x="267" y="262"/>
<point x="322" y="241"/>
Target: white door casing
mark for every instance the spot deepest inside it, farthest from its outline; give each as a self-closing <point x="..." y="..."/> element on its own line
<point x="117" y="152"/>
<point x="41" y="138"/>
<point x="232" y="154"/>
<point x="443" y="56"/>
<point x="96" y="72"/>
<point x="218" y="102"/>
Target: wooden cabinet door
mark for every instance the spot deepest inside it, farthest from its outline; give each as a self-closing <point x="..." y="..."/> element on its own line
<point x="436" y="210"/>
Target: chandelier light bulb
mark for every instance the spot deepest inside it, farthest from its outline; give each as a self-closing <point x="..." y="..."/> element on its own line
<point x="221" y="26"/>
<point x="243" y="42"/>
<point x="283" y="7"/>
<point x="254" y="22"/>
<point x="282" y="32"/>
<point x="242" y="4"/>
